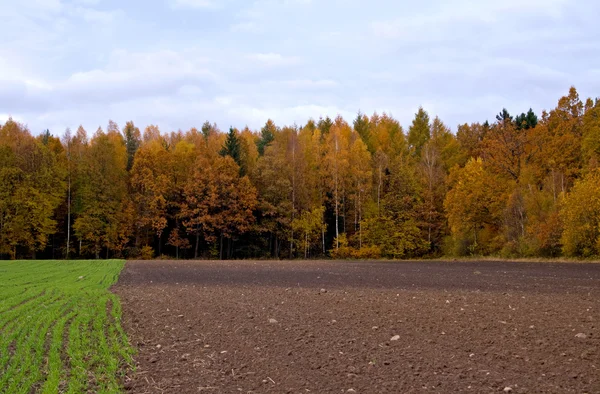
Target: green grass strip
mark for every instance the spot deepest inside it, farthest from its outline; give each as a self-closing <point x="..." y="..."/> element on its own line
<point x="60" y="327"/>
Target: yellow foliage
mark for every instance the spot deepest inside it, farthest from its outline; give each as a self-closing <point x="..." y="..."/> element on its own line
<point x="581" y="216"/>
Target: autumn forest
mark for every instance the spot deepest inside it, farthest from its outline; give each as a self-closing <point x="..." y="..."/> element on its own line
<point x="524" y="185"/>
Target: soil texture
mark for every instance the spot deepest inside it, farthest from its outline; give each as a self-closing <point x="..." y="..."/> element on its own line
<point x="362" y="327"/>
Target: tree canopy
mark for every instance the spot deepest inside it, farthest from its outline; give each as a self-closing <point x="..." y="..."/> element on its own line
<point x="526" y="185"/>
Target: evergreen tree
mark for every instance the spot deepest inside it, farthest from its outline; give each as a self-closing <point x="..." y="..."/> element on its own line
<point x="267" y="135"/>
<point x="504" y="116"/>
<point x="526" y="121"/>
<point x="324" y="125"/>
<point x="233" y="148"/>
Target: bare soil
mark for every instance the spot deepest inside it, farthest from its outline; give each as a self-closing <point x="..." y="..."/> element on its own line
<point x="362" y="327"/>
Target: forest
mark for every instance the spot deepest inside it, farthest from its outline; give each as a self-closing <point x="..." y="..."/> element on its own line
<point x="520" y="186"/>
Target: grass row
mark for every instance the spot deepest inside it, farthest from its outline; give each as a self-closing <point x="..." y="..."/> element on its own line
<point x="60" y="327"/>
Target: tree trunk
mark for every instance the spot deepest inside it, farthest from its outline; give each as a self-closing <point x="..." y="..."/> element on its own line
<point x="306" y="245"/>
<point x="221" y="248"/>
<point x="323" y="238"/>
<point x="359" y="226"/>
<point x="379" y="193"/>
<point x="160" y="244"/>
<point x="344" y="213"/>
<point x="197" y="242"/>
<point x="356" y="211"/>
<point x="271" y="244"/>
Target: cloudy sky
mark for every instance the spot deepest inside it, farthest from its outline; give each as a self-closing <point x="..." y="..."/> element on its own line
<point x="177" y="63"/>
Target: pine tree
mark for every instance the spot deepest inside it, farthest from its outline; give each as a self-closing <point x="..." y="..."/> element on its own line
<point x="267" y="135"/>
<point x="232" y="147"/>
<point x="324" y="125"/>
<point x="504" y="116"/>
<point x="526" y="121"/>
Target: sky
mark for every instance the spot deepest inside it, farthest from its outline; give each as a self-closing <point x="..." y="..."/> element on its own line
<point x="178" y="63"/>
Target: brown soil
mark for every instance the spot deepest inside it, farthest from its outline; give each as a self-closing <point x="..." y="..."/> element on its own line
<point x="364" y="327"/>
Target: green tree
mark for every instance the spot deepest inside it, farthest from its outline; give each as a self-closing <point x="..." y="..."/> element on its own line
<point x="324" y="125"/>
<point x="267" y="135"/>
<point x="526" y="121"/>
<point x="133" y="139"/>
<point x="233" y="148"/>
<point x="504" y="117"/>
<point x="419" y="132"/>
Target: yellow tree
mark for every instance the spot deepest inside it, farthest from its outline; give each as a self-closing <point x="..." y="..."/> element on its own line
<point x="438" y="155"/>
<point x="312" y="188"/>
<point x="470" y="139"/>
<point x="218" y="203"/>
<point x="360" y="177"/>
<point x="474" y="207"/>
<point x="394" y="231"/>
<point x="558" y="139"/>
<point x="104" y="214"/>
<point x="249" y="151"/>
<point x="33" y="182"/>
<point x="150" y="188"/>
<point x="200" y="199"/>
<point x="275" y="183"/>
<point x="591" y="134"/>
<point x="336" y="167"/>
<point x="309" y="226"/>
<point x="581" y="216"/>
<point x="237" y="201"/>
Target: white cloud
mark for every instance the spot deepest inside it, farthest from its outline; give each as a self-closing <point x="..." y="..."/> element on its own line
<point x="449" y="19"/>
<point x="91" y="15"/>
<point x="246" y="27"/>
<point x="131" y="75"/>
<point x="274" y="59"/>
<point x="305" y="83"/>
<point x="5" y="117"/>
<point x="88" y="2"/>
<point x="198" y="4"/>
<point x="224" y="101"/>
<point x="299" y="114"/>
<point x="69" y="61"/>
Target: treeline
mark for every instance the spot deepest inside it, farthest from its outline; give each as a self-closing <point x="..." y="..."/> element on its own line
<point x="520" y="186"/>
